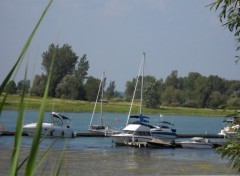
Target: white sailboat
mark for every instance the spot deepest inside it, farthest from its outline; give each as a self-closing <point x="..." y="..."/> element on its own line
<point x="139" y="130"/>
<point x="100" y="127"/>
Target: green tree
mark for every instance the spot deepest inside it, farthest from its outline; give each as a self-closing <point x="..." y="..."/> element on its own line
<point x="38" y="86"/>
<point x="82" y="69"/>
<point x="67" y="88"/>
<point x="91" y="87"/>
<point x="110" y="92"/>
<point x="11" y="87"/>
<point x="23" y="84"/>
<point x="172" y="79"/>
<point x="215" y="100"/>
<point x="151" y="97"/>
<point x="130" y="86"/>
<point x="64" y="64"/>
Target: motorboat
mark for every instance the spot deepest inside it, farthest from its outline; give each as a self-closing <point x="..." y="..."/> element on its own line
<point x="100" y="127"/>
<point x="136" y="131"/>
<point x="198" y="143"/>
<point x="164" y="130"/>
<point x="57" y="127"/>
<point x="231" y="126"/>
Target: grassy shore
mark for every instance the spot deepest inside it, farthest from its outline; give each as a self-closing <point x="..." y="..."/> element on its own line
<point x="118" y="106"/>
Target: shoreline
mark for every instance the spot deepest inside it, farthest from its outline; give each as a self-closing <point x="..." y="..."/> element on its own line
<point x="111" y="106"/>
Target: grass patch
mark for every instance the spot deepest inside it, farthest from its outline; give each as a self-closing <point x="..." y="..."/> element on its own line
<point x="61" y="105"/>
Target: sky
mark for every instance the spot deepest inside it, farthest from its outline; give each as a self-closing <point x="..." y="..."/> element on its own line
<point x="175" y="35"/>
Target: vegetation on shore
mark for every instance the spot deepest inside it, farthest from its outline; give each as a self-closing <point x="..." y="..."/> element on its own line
<point x="114" y="105"/>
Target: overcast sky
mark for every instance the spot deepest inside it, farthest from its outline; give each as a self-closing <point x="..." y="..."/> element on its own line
<point x="176" y="35"/>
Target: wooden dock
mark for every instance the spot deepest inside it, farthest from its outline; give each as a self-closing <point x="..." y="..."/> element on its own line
<point x="88" y="134"/>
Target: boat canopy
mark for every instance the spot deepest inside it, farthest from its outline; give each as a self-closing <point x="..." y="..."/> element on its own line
<point x="165" y="122"/>
<point x="59" y="116"/>
<point x="142" y="119"/>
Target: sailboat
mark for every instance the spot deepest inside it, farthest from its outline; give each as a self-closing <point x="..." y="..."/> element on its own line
<point x="100" y="127"/>
<point x="139" y="129"/>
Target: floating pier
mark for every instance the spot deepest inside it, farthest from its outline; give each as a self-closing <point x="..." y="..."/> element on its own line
<point x="88" y="134"/>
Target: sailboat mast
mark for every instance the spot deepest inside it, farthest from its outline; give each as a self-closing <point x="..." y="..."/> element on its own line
<point x="102" y="86"/>
<point x="139" y="73"/>
<point x="143" y="60"/>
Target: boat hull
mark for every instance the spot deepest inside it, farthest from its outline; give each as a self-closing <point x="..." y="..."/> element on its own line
<point x="156" y="143"/>
<point x="123" y="139"/>
<point x="166" y="136"/>
<point x="197" y="145"/>
<point x="50" y="130"/>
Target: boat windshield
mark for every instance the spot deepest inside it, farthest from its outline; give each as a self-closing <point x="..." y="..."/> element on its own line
<point x="59" y="119"/>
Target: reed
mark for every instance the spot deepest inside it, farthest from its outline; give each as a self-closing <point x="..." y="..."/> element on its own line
<point x="31" y="165"/>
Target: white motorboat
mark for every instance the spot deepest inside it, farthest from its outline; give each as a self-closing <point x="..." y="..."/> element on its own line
<point x="197" y="143"/>
<point x="102" y="128"/>
<point x="231" y="127"/>
<point x="57" y="127"/>
<point x="139" y="130"/>
<point x="164" y="130"/>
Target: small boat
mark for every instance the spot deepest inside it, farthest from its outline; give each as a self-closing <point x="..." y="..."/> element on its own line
<point x="101" y="128"/>
<point x="232" y="125"/>
<point x="157" y="143"/>
<point x="57" y="127"/>
<point x="164" y="130"/>
<point x="198" y="143"/>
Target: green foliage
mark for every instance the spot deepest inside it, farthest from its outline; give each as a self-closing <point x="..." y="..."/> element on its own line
<point x="82" y="69"/>
<point x="194" y="91"/>
<point x="110" y="92"/>
<point x="64" y="64"/>
<point x="231" y="150"/>
<point x="151" y="96"/>
<point x="11" y="87"/>
<point x="23" y="84"/>
<point x="229" y="16"/>
<point x="68" y="88"/>
<point x="91" y="88"/>
<point x="38" y="86"/>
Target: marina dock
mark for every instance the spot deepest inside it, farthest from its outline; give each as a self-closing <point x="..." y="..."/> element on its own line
<point x="88" y="134"/>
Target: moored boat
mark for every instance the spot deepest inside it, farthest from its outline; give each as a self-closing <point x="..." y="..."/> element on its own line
<point x="197" y="143"/>
<point x="100" y="127"/>
<point x="57" y="127"/>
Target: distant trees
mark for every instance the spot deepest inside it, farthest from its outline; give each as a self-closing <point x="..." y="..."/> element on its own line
<point x="14" y="88"/>
<point x="70" y="78"/>
<point x="193" y="90"/>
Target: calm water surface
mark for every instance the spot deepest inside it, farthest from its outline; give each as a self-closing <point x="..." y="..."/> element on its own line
<point x="98" y="156"/>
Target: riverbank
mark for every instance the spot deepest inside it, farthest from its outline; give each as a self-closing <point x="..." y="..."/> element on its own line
<point x="117" y="105"/>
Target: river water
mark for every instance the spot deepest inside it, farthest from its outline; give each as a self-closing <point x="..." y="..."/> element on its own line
<point x="99" y="156"/>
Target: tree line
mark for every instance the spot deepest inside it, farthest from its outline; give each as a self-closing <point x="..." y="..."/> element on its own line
<point x="70" y="80"/>
<point x="194" y="90"/>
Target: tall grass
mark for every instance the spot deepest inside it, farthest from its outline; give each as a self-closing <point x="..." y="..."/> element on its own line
<point x="31" y="166"/>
